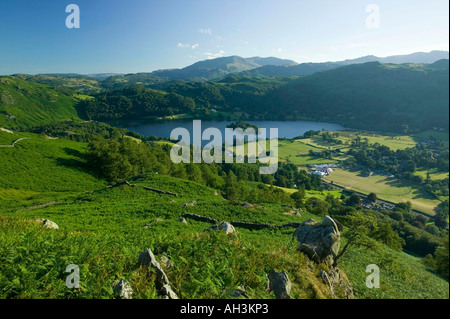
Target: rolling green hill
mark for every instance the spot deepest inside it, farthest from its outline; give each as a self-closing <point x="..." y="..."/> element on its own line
<point x="74" y="82"/>
<point x="26" y="104"/>
<point x="102" y="230"/>
<point x="370" y="96"/>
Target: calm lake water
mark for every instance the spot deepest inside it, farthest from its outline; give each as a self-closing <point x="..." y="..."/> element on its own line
<point x="286" y="129"/>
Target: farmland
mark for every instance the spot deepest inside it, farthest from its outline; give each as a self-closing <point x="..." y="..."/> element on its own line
<point x="392" y="190"/>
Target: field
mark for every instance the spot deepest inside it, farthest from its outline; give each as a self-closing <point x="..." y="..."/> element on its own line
<point x="394" y="142"/>
<point x="392" y="190"/>
<point x="434" y="174"/>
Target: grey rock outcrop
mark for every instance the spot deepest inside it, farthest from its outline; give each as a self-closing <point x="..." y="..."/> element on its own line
<point x="338" y="282"/>
<point x="280" y="284"/>
<point x="319" y="241"/>
<point x="223" y="226"/>
<point x="146" y="258"/>
<point x="189" y="204"/>
<point x="47" y="223"/>
<point x="123" y="290"/>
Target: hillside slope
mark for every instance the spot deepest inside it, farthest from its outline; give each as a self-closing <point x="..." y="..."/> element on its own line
<point x="26" y="104"/>
<point x="102" y="230"/>
<point x="374" y="96"/>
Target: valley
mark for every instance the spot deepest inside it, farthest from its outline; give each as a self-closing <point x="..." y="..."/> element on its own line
<point x="360" y="148"/>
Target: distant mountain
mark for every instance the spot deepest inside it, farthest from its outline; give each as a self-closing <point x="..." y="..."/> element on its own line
<point x="311" y="68"/>
<point x="207" y="70"/>
<point x="102" y="76"/>
<point x="372" y="95"/>
<point x="218" y="68"/>
<point x="401" y="98"/>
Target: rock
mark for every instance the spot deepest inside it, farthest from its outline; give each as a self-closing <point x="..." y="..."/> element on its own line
<point x="47" y="223"/>
<point x="247" y="205"/>
<point x="338" y="282"/>
<point x="189" y="204"/>
<point x="156" y="220"/>
<point x="201" y="218"/>
<point x="165" y="262"/>
<point x="225" y="226"/>
<point x="239" y="293"/>
<point x="319" y="241"/>
<point x="123" y="290"/>
<point x="183" y="221"/>
<point x="280" y="284"/>
<point x="146" y="258"/>
<point x="168" y="293"/>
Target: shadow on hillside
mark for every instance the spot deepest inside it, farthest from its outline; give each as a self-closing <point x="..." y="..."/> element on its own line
<point x="416" y="191"/>
<point x="78" y="160"/>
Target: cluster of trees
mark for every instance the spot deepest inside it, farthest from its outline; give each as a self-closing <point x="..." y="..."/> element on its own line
<point x="81" y="131"/>
<point x="405" y="163"/>
<point x="377" y="156"/>
<point x="122" y="157"/>
<point x="134" y="102"/>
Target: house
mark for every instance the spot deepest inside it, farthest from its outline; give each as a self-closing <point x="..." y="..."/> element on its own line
<point x="319" y="173"/>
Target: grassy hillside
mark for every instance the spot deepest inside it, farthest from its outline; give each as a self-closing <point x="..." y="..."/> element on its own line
<point x="102" y="230"/>
<point x="39" y="170"/>
<point x="26" y="104"/>
<point x="103" y="233"/>
<point x="74" y="82"/>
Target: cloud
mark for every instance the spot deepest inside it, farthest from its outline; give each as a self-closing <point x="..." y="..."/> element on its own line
<point x="206" y="31"/>
<point x="210" y="55"/>
<point x="187" y="45"/>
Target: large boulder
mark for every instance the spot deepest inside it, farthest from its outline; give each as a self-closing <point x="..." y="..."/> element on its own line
<point x="280" y="284"/>
<point x="340" y="286"/>
<point x="47" y="223"/>
<point x="123" y="290"/>
<point x="223" y="226"/>
<point x="146" y="258"/>
<point x="319" y="241"/>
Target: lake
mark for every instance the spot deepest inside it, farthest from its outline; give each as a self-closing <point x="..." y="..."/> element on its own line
<point x="286" y="129"/>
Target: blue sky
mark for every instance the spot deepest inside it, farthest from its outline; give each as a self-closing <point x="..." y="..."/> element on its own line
<point x="146" y="35"/>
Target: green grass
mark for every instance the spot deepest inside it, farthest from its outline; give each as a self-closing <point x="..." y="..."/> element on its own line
<point x="39" y="169"/>
<point x="434" y="174"/>
<point x="32" y="104"/>
<point x="392" y="190"/>
<point x="401" y="275"/>
<point x="101" y="230"/>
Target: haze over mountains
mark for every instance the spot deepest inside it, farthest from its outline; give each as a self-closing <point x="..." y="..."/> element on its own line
<point x="357" y="93"/>
<point x="215" y="69"/>
<point x="218" y="68"/>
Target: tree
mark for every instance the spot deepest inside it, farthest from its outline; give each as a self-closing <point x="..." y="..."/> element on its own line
<point x="231" y="186"/>
<point x="299" y="197"/>
<point x="372" y="197"/>
<point x="359" y="225"/>
<point x="385" y="234"/>
<point x="194" y="173"/>
<point x="440" y="221"/>
<point x="442" y="258"/>
<point x="354" y="200"/>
